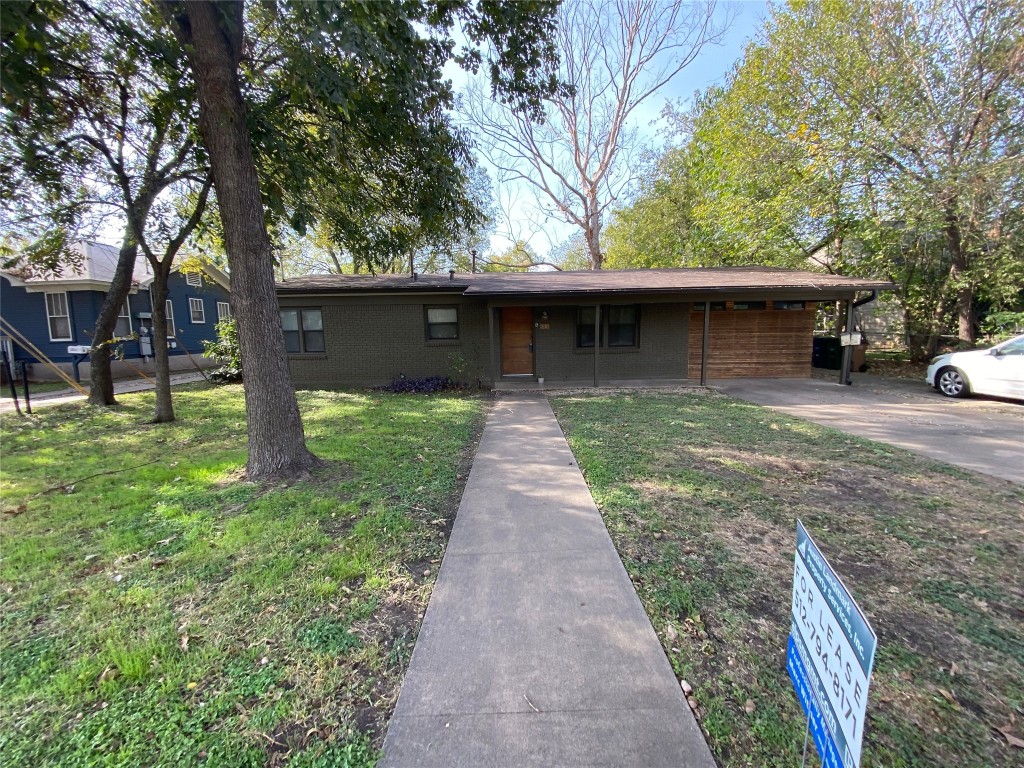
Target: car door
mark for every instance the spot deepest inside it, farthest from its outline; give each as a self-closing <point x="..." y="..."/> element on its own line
<point x="1006" y="369"/>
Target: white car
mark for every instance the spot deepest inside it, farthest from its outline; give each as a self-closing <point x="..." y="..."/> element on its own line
<point x="997" y="371"/>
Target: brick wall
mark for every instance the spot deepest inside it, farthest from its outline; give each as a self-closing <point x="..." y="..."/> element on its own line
<point x="661" y="353"/>
<point x="770" y="342"/>
<point x="371" y="340"/>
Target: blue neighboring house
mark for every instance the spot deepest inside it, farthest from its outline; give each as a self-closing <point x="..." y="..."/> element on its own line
<point x="57" y="313"/>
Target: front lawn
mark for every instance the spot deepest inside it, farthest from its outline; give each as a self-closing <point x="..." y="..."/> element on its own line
<point x="171" y="614"/>
<point x="701" y="495"/>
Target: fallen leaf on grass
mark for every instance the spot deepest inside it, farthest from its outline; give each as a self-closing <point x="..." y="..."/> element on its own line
<point x="750" y="706"/>
<point x="953" y="669"/>
<point x="183" y="642"/>
<point x="948" y="697"/>
<point x="20" y="510"/>
<point x="1012" y="740"/>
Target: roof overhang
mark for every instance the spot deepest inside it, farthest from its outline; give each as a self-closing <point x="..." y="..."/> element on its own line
<point x="591" y="286"/>
<point x="60" y="286"/>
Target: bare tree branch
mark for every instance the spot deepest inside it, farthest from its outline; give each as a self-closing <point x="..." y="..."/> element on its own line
<point x="616" y="54"/>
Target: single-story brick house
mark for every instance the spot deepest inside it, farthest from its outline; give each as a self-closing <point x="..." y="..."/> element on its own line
<point x="604" y="326"/>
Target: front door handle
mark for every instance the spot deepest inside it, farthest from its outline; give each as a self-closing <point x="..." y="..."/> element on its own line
<point x="531" y="347"/>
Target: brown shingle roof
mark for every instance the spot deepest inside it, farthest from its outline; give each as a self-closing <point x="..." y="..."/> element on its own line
<point x="693" y="280"/>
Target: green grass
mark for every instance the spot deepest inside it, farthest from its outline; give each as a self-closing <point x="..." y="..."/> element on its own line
<point x="172" y="614"/>
<point x="701" y="494"/>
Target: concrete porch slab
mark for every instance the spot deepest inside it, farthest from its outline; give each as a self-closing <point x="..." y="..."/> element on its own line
<point x="523" y="385"/>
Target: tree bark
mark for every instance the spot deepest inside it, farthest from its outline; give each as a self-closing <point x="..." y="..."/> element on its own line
<point x="101" y="380"/>
<point x="957" y="272"/>
<point x="592" y="232"/>
<point x="164" y="411"/>
<point x="212" y="34"/>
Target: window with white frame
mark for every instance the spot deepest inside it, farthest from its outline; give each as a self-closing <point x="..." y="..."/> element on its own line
<point x="196" y="311"/>
<point x="124" y="322"/>
<point x="170" y="318"/>
<point x="194" y="279"/>
<point x="223" y="310"/>
<point x="57" y="316"/>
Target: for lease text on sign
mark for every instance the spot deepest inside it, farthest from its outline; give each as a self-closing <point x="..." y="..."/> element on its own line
<point x="829" y="657"/>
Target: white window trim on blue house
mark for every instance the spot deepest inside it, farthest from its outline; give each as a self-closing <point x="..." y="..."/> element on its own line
<point x="125" y="314"/>
<point x="52" y="315"/>
<point x="170" y="319"/>
<point x="223" y="310"/>
<point x="196" y="307"/>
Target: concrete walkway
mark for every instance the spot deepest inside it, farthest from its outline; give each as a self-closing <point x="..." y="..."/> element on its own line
<point x="71" y="395"/>
<point x="535" y="650"/>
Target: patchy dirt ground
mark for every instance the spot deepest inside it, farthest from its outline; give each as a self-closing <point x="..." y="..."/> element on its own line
<point x="701" y="495"/>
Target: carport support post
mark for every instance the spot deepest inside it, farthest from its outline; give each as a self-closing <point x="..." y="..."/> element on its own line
<point x="704" y="345"/>
<point x="597" y="341"/>
<point x="844" y="369"/>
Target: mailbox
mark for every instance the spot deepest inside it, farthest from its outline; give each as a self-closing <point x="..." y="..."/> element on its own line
<point x="78" y="349"/>
<point x="145" y="342"/>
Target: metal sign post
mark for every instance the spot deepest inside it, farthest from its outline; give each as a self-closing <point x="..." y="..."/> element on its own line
<point x="829" y="657"/>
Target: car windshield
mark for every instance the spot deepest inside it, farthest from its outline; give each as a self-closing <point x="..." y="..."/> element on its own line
<point x="1012" y="347"/>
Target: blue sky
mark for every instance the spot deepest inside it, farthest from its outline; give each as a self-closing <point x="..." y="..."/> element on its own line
<point x="710" y="67"/>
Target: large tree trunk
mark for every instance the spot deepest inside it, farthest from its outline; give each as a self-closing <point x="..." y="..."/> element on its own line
<point x="164" y="411"/>
<point x="213" y="36"/>
<point x="101" y="381"/>
<point x="957" y="277"/>
<point x="592" y="233"/>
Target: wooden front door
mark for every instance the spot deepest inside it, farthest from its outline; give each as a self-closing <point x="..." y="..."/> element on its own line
<point x="516" y="341"/>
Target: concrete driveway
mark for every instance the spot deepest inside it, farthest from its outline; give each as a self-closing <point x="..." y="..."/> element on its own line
<point x="982" y="434"/>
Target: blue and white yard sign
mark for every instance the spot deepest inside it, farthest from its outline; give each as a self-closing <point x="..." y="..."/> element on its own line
<point x="829" y="656"/>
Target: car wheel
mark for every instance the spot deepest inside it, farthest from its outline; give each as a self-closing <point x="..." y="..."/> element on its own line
<point x="952" y="383"/>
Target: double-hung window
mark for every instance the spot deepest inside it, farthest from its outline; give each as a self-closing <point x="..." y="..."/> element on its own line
<point x="169" y="311"/>
<point x="58" y="317"/>
<point x="197" y="311"/>
<point x="442" y="323"/>
<point x="585" y="328"/>
<point x="619" y="326"/>
<point x="223" y="310"/>
<point x="123" y="327"/>
<point x="303" y="330"/>
<point x="622" y="326"/>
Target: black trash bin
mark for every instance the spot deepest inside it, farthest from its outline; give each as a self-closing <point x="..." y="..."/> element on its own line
<point x="827" y="353"/>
